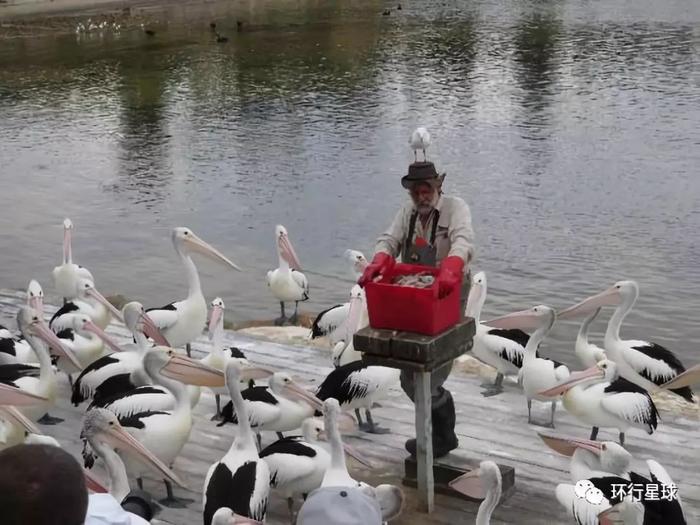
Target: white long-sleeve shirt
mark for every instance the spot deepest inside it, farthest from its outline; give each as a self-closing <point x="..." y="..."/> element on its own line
<point x="454" y="234"/>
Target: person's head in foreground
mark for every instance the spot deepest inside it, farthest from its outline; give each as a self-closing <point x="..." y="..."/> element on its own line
<point x="364" y="505"/>
<point x="424" y="184"/>
<point x="41" y="485"/>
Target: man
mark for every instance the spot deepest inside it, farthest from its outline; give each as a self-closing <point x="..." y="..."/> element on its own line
<point x="430" y="229"/>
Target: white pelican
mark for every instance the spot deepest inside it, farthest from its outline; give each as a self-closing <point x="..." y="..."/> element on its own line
<point x="240" y="480"/>
<point x="118" y="372"/>
<point x="287" y="283"/>
<point x="591" y="459"/>
<point x="298" y="463"/>
<point x="344" y="349"/>
<point x="14" y="349"/>
<point x="36" y="333"/>
<point x="225" y="516"/>
<point x="65" y="276"/>
<point x="280" y="407"/>
<point x="358" y="385"/>
<point x="652" y="508"/>
<point x="165" y="432"/>
<point x="536" y="373"/>
<point x="598" y="397"/>
<point x="359" y="262"/>
<point x="337" y="472"/>
<point x="331" y="322"/>
<point x="587" y="352"/>
<point x="499" y="348"/>
<point x="183" y="321"/>
<point x="84" y="339"/>
<point x="645" y="364"/>
<point x="218" y="356"/>
<point x="420" y="140"/>
<point x="481" y="483"/>
<point x="86" y="300"/>
<point x="103" y="431"/>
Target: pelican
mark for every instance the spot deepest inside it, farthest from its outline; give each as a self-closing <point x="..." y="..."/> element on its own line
<point x="183" y="321"/>
<point x="84" y="339"/>
<point x="600" y="398"/>
<point x="298" y="463"/>
<point x="240" y="480"/>
<point x="65" y="276"/>
<point x="15" y="349"/>
<point x="648" y="510"/>
<point x="591" y="459"/>
<point x="165" y="432"/>
<point x="103" y="431"/>
<point x="86" y="300"/>
<point x="225" y="516"/>
<point x="344" y="349"/>
<point x="586" y="351"/>
<point x="481" y="483"/>
<point x="36" y="333"/>
<point x="337" y="472"/>
<point x="645" y="364"/>
<point x="358" y="385"/>
<point x="287" y="282"/>
<point x="118" y="372"/>
<point x="359" y="262"/>
<point x="536" y="373"/>
<point x="499" y="348"/>
<point x="218" y="356"/>
<point x="15" y="424"/>
<point x="420" y="140"/>
<point x="281" y="407"/>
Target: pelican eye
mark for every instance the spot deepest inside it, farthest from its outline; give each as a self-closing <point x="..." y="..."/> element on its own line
<point x="603" y="366"/>
<point x="111" y="423"/>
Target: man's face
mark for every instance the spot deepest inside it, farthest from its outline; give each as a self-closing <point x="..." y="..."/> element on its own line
<point x="424" y="197"/>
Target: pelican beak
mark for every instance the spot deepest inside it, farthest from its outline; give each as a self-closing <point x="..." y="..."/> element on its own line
<point x="688" y="378"/>
<point x="249" y="372"/>
<point x="198" y="245"/>
<point x="67" y="229"/>
<point x="574" y="379"/>
<point x="469" y="484"/>
<point x="237" y="519"/>
<point x="92" y="292"/>
<point x="192" y="372"/>
<point x="353" y="316"/>
<point x="217" y="314"/>
<point x="357" y="456"/>
<point x="287" y="252"/>
<point x="15" y="417"/>
<point x="13" y="396"/>
<point x="567" y="446"/>
<point x="152" y="331"/>
<point x="611" y="516"/>
<point x="524" y="320"/>
<point x="94" y="484"/>
<point x="294" y="391"/>
<point x="45" y="333"/>
<point x="121" y="439"/>
<point x="610" y="297"/>
<point x="92" y="327"/>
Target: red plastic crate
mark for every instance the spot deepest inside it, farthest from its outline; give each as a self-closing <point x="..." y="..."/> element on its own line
<point x="409" y="309"/>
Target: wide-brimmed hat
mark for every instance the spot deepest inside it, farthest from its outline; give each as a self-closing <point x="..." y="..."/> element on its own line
<point x="421" y="172"/>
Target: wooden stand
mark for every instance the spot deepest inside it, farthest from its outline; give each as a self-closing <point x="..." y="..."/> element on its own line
<point x="420" y="354"/>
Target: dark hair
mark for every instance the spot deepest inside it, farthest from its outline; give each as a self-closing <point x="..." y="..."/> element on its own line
<point x="41" y="485"/>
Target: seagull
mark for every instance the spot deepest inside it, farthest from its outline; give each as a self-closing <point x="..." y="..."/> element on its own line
<point x="420" y="139"/>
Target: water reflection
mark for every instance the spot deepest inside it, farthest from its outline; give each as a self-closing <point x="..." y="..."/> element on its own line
<point x="571" y="129"/>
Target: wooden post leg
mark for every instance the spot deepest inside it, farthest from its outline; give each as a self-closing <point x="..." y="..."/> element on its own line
<point x="424" y="440"/>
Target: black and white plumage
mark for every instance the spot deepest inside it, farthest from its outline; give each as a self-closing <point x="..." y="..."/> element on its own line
<point x="286" y="282"/>
<point x="120" y="372"/>
<point x="14" y="348"/>
<point x="501" y="348"/>
<point x="87" y="300"/>
<point x="420" y="140"/>
<point x="536" y="373"/>
<point x="358" y="385"/>
<point x="648" y="365"/>
<point x="600" y="398"/>
<point x="240" y="481"/>
<point x="598" y="497"/>
<point x="183" y="321"/>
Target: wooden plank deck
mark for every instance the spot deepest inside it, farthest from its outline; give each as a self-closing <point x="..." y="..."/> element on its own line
<point x="488" y="428"/>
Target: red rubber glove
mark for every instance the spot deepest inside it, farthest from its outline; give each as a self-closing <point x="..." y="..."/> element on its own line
<point x="450" y="274"/>
<point x="381" y="262"/>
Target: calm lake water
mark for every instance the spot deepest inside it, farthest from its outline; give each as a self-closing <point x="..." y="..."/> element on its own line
<point x="570" y="128"/>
